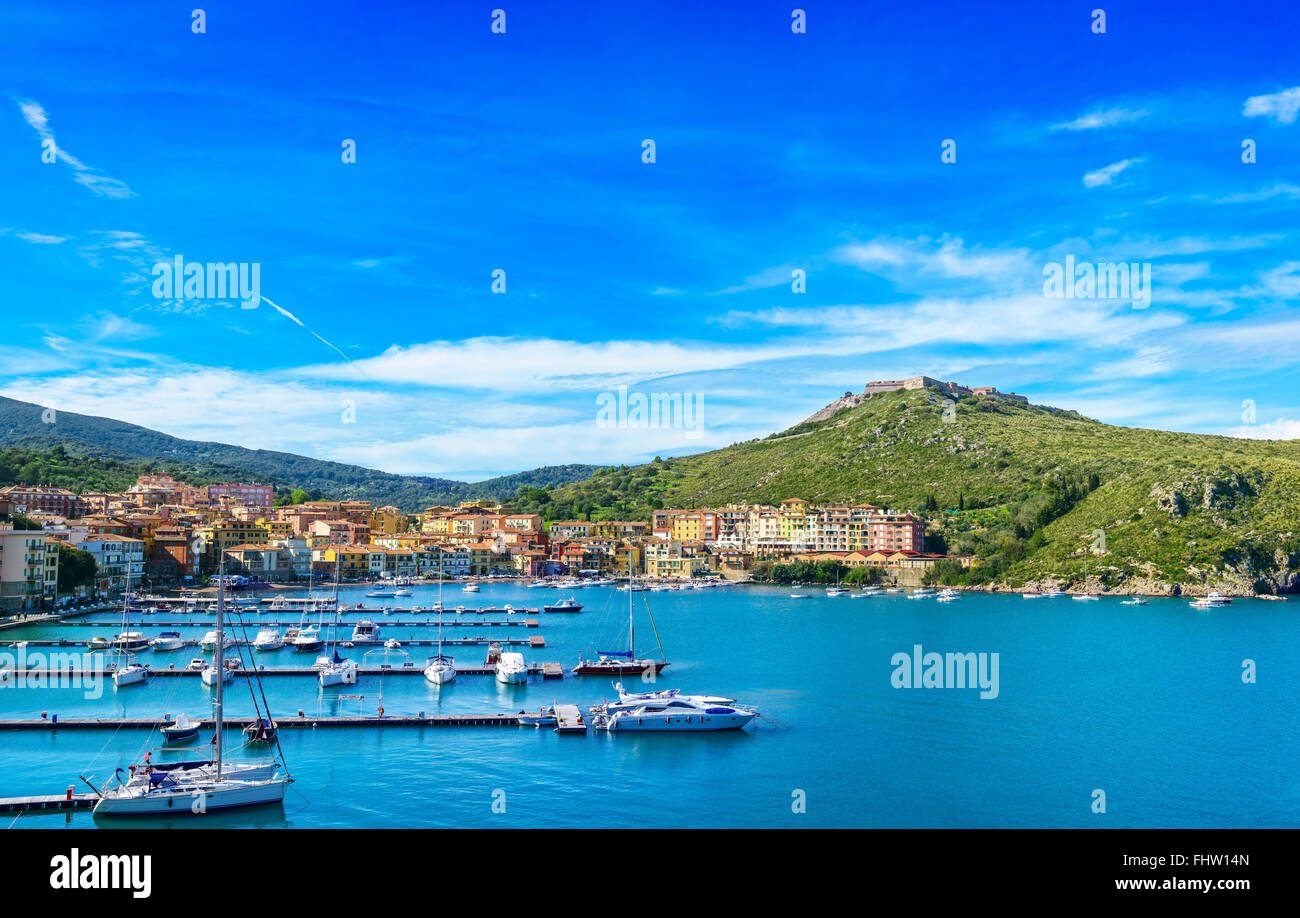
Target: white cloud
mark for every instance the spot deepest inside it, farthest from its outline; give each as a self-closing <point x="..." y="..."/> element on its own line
<point x="42" y="239"/>
<point x="547" y="364"/>
<point x="103" y="185"/>
<point x="1291" y="192"/>
<point x="1106" y="174"/>
<point x="768" y="277"/>
<point x="1281" y="429"/>
<point x="1102" y="118"/>
<point x="946" y="256"/>
<point x="1282" y="106"/>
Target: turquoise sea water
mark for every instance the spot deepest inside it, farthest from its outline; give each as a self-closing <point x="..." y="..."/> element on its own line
<point x="1144" y="703"/>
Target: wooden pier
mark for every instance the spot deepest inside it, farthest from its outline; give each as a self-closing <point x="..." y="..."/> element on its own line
<point x="49" y="802"/>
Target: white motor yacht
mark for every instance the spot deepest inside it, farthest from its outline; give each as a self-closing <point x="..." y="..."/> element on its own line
<point x="168" y="640"/>
<point x="268" y="639"/>
<point x="308" y="640"/>
<point x="365" y="631"/>
<point x="671" y="715"/>
<point x="511" y="669"/>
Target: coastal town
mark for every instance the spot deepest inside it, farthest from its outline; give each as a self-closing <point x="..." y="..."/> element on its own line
<point x="163" y="532"/>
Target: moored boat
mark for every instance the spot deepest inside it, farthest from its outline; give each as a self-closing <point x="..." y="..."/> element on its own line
<point x="511" y="669"/>
<point x="167" y="641"/>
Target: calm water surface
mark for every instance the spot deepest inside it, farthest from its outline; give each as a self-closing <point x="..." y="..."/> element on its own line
<point x="1145" y="703"/>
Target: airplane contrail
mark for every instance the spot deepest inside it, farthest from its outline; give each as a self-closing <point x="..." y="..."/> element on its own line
<point x="287" y="314"/>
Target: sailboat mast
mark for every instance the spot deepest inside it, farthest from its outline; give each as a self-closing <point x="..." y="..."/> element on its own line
<point x="220" y="661"/>
<point x="439" y="600"/>
<point x="631" y="627"/>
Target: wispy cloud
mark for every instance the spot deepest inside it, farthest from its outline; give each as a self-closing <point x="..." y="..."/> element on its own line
<point x="1282" y="106"/>
<point x="88" y="176"/>
<point x="1290" y="192"/>
<point x="769" y="277"/>
<point x="946" y="256"/>
<point x="42" y="238"/>
<point x="1101" y="118"/>
<point x="1106" y="175"/>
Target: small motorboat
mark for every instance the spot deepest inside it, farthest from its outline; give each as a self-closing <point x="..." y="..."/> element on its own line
<point x="210" y="674"/>
<point x="1134" y="601"/>
<point x="365" y="631"/>
<point x="268" y="639"/>
<point x="470" y="588"/>
<point x="198" y="664"/>
<point x="262" y="730"/>
<point x="168" y="640"/>
<point x="392" y="644"/>
<point x="181" y="730"/>
<point x="543" y="718"/>
<point x="564" y="605"/>
<point x="131" y="640"/>
<point x="100" y="643"/>
<point x="801" y="595"/>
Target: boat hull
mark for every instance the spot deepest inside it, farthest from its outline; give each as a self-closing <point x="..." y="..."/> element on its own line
<point x="345" y="676"/>
<point x="130" y="677"/>
<point x="678" y="723"/>
<point x="440" y="675"/>
<point x="192" y="799"/>
<point x="634" y="667"/>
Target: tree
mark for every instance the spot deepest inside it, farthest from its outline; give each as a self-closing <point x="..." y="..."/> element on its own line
<point x="76" y="568"/>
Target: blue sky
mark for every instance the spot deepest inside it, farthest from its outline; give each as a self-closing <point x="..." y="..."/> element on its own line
<point x="522" y="151"/>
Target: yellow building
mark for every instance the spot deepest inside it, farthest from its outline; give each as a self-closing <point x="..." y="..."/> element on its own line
<point x="387" y="521"/>
<point x="224" y="534"/>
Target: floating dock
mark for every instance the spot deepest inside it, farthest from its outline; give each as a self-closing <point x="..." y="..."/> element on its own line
<point x="477" y="640"/>
<point x="50" y="802"/>
<point x="409" y="668"/>
<point x="283" y="723"/>
<point x="568" y="719"/>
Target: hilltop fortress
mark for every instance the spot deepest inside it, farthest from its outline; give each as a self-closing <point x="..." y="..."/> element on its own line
<point x="952" y="389"/>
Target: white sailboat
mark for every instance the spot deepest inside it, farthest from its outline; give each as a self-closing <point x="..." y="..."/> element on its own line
<point x="441" y="668"/>
<point x="127" y="671"/>
<point x="201" y="787"/>
<point x="1085" y="595"/>
<point x="335" y="670"/>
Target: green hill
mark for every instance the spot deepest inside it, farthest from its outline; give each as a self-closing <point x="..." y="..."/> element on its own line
<point x="104" y="454"/>
<point x="1025" y="488"/>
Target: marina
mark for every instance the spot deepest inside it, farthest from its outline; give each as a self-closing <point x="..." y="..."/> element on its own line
<point x="750" y="649"/>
